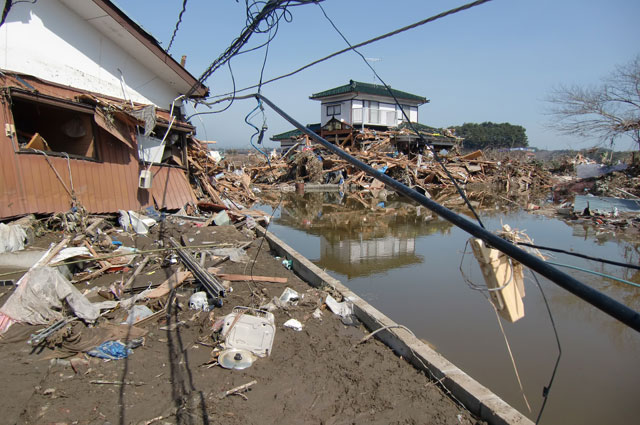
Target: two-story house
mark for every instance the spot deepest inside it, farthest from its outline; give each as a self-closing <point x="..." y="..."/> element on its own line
<point x="358" y="105"/>
<point x="368" y="105"/>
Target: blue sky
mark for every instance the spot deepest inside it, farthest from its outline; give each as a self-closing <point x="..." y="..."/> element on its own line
<point x="496" y="62"/>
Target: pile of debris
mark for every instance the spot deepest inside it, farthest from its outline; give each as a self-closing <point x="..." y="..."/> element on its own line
<point x="416" y="171"/>
<point x="602" y="195"/>
<point x="229" y="184"/>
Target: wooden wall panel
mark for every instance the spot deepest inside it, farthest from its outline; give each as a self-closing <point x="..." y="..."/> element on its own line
<point x="29" y="185"/>
<point x="170" y="188"/>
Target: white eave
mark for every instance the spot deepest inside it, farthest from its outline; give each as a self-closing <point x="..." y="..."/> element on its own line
<point x="113" y="24"/>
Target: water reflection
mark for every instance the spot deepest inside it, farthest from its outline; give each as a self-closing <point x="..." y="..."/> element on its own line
<point x="356" y="240"/>
<point x="404" y="261"/>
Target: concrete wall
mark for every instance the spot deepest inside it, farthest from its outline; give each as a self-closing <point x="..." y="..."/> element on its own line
<point x="50" y="41"/>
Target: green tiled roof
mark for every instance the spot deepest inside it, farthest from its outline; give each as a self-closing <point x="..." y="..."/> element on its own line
<point x="367" y="88"/>
<point x="294" y="133"/>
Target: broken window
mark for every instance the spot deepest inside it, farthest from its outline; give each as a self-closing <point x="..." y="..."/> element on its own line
<point x="153" y="149"/>
<point x="54" y="126"/>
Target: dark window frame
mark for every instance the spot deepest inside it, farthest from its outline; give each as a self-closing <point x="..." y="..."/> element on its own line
<point x="62" y="107"/>
<point x="333" y="108"/>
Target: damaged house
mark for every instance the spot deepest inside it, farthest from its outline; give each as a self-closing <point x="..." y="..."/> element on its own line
<point x="356" y="107"/>
<point x="91" y="110"/>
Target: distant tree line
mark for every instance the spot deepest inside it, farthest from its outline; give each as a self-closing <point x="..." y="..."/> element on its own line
<point x="489" y="135"/>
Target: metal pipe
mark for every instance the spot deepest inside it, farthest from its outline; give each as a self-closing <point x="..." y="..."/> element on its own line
<point x="210" y="283"/>
<point x="599" y="300"/>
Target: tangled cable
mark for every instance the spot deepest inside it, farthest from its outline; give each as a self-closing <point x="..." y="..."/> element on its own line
<point x="259" y="20"/>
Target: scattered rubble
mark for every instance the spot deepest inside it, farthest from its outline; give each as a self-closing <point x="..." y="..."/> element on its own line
<point x="164" y="324"/>
<point x="607" y="198"/>
<point x="229" y="185"/>
<point x="191" y="290"/>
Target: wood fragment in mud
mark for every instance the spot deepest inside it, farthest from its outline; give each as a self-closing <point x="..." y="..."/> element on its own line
<point x="101" y="382"/>
<point x="237" y="390"/>
<point x="141" y="266"/>
<point x="246" y="277"/>
<point x="92" y="275"/>
<point x="97" y="222"/>
<point x="172" y="282"/>
<point x="54" y="251"/>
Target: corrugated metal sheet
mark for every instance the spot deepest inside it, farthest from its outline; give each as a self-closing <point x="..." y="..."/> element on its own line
<point x="29" y="184"/>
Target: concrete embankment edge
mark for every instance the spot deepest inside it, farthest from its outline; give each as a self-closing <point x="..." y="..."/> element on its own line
<point x="478" y="399"/>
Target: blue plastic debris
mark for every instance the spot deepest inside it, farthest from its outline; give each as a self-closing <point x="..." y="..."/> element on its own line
<point x="154" y="214"/>
<point x="111" y="350"/>
<point x="287" y="263"/>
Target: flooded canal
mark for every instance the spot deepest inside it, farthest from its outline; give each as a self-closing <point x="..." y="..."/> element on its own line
<point x="407" y="263"/>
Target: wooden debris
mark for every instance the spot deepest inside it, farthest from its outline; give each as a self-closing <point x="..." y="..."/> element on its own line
<point x="165" y="287"/>
<point x="246" y="277"/>
<point x="129" y="282"/>
<point x="237" y="390"/>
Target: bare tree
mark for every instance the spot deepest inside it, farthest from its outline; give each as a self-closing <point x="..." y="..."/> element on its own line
<point x="608" y="111"/>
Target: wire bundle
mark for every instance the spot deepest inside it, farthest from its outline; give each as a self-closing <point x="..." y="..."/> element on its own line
<point x="265" y="20"/>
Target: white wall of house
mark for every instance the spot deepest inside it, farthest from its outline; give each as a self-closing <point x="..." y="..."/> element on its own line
<point x="376" y="110"/>
<point x="335" y="109"/>
<point x="50" y="41"/>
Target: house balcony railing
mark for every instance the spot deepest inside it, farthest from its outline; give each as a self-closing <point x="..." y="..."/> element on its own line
<point x="374" y="117"/>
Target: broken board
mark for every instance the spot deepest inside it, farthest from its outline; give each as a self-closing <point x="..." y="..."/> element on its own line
<point x="504" y="278"/>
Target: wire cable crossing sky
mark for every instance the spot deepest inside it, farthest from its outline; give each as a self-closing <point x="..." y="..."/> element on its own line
<point x="494" y="63"/>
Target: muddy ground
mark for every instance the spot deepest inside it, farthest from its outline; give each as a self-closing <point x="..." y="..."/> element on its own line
<point x="315" y="376"/>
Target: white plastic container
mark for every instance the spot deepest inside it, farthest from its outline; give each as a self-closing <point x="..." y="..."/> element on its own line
<point x="145" y="179"/>
<point x="254" y="330"/>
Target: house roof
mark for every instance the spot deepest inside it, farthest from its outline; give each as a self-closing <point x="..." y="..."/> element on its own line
<point x="111" y="21"/>
<point x="368" y="88"/>
<point x="294" y="133"/>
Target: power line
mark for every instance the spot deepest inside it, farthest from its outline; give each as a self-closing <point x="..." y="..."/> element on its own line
<point x="577" y="254"/>
<point x="545" y="390"/>
<point x="272" y="12"/>
<point x="175" y="31"/>
<point x="364" y="43"/>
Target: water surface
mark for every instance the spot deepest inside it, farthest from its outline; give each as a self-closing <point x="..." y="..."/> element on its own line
<point x="406" y="262"/>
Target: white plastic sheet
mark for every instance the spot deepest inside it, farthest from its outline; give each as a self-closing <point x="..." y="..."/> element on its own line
<point x="38" y="299"/>
<point x="12" y="238"/>
<point x="132" y="221"/>
<point x="236" y="255"/>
